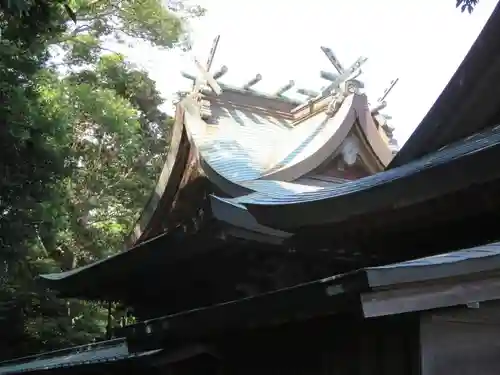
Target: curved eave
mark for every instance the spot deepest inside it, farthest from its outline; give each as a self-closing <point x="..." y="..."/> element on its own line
<point x="309" y="154"/>
<point x="469" y="103"/>
<point x="80" y="273"/>
<point x="114" y="278"/>
<point x="179" y="188"/>
<point x="306" y="149"/>
<point x="371" y="134"/>
<point x="167" y="185"/>
<point x="455" y="167"/>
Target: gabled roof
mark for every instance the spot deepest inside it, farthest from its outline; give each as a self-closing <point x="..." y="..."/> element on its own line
<point x="232" y="144"/>
<point x="241" y="150"/>
<point x="244" y="126"/>
<point x="411" y="202"/>
<point x="469" y="103"/>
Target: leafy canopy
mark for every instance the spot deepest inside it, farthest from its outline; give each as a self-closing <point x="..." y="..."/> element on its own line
<point x="82" y="140"/>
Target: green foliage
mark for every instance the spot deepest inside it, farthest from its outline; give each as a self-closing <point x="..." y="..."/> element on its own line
<point x="145" y="20"/>
<point x="466" y="5"/>
<point x="82" y="141"/>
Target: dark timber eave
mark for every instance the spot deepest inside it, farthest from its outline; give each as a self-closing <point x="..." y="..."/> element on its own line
<point x="116" y="278"/>
<point x="151" y="222"/>
<point x="351" y="293"/>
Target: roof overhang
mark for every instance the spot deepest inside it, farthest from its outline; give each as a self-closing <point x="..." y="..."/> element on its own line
<point x="421" y="194"/>
<point x="113" y="279"/>
<point x="112" y="356"/>
<point x="440" y="281"/>
<point x="103" y="354"/>
<point x="469" y="103"/>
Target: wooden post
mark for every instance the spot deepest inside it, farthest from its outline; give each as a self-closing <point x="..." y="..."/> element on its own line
<point x="108" y="326"/>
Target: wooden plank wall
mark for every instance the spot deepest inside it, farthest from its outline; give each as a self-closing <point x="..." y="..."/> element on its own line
<point x="341" y="346"/>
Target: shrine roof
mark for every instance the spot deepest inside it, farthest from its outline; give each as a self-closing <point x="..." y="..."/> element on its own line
<point x="381" y="191"/>
<point x="243" y="150"/>
<point x="110" y="357"/>
<point x="101" y="353"/>
<point x="350" y="292"/>
<point x="240" y="137"/>
<point x="235" y="147"/>
<point x="296" y="209"/>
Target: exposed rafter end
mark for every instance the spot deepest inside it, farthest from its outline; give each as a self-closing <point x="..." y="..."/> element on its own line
<point x="285" y="88"/>
<point x="328" y="75"/>
<point x="252" y="82"/>
<point x="219" y="73"/>
<point x="188" y="76"/>
<point x="308" y="93"/>
<point x="378" y="108"/>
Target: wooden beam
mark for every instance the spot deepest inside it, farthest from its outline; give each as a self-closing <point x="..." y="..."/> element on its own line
<point x="208" y="78"/>
<point x="333" y="59"/>
<point x="211" y="55"/>
<point x="345" y="75"/>
<point x="388" y="90"/>
<point x="419" y="297"/>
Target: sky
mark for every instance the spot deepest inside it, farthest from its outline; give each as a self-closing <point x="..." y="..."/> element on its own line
<point x="421" y="42"/>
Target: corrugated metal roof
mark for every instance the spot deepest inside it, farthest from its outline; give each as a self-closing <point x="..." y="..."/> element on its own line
<point x="231" y="148"/>
<point x="243" y="145"/>
<point x="108" y="351"/>
<point x="469" y="145"/>
<point x="314" y="140"/>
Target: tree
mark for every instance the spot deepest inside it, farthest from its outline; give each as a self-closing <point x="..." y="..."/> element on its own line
<point x="466" y="5"/>
<point x="82" y="140"/>
<point x="31" y="160"/>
